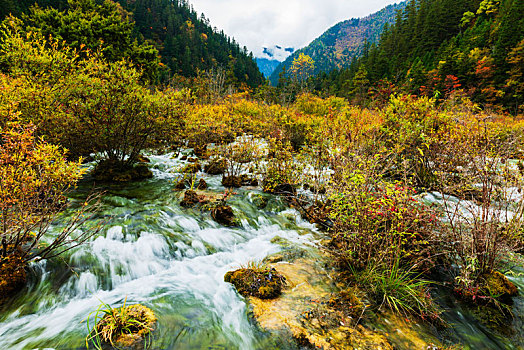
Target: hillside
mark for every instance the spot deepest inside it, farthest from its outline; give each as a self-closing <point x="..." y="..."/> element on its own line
<point x="338" y="46"/>
<point x="443" y="47"/>
<point x="186" y="42"/>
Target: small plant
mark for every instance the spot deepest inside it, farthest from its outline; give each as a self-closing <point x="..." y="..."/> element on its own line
<point x="129" y="324"/>
<point x="398" y="289"/>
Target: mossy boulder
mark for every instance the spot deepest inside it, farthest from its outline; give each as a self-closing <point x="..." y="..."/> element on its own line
<point x="239" y="181"/>
<point x="497" y="285"/>
<point x="492" y="286"/>
<point x="248" y="181"/>
<point x="180" y="185"/>
<point x="143" y="159"/>
<point x="263" y="283"/>
<point x="138" y="319"/>
<point x="224" y="215"/>
<point x="202" y="184"/>
<point x="190" y="199"/>
<point x="232" y="181"/>
<point x="12" y="276"/>
<point x="192" y="168"/>
<point x="260" y="201"/>
<point x="116" y="171"/>
<point x="283" y="189"/>
<point x="216" y="166"/>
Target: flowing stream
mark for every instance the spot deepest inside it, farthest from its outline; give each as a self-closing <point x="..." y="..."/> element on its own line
<point x="171" y="259"/>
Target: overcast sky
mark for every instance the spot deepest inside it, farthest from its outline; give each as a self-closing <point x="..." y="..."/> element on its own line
<point x="288" y="23"/>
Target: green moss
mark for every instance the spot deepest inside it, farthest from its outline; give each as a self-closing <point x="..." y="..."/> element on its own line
<point x="263" y="283"/>
<point x="497" y="285"/>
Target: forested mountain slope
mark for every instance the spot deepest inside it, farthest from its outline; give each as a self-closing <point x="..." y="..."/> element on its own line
<point x="185" y="41"/>
<point x="440" y="47"/>
<point x="340" y="44"/>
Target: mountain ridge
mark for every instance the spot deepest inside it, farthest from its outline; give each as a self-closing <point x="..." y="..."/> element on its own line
<point x="338" y="45"/>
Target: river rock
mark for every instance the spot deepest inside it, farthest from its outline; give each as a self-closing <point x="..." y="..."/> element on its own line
<point x="263" y="283"/>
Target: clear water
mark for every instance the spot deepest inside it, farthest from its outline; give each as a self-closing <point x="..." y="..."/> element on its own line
<point x="173" y="260"/>
<point x="156" y="253"/>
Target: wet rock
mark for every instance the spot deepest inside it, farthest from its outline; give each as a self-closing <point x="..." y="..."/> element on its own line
<point x="202" y="184"/>
<point x="232" y="181"/>
<point x="127" y="328"/>
<point x="192" y="160"/>
<point x="191" y="199"/>
<point x="215" y="167"/>
<point x="115" y="171"/>
<point x="12" y="276"/>
<point x="184" y="157"/>
<point x="224" y="215"/>
<point x="498" y="285"/>
<point x="263" y="283"/>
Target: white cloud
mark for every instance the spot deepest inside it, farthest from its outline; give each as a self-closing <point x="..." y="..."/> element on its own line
<point x="288" y="23"/>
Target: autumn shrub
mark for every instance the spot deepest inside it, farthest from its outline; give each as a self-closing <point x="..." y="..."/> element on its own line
<point x="206" y="124"/>
<point x="485" y="218"/>
<point x="34" y="176"/>
<point x="282" y="173"/>
<point x="379" y="222"/>
<point x="414" y="131"/>
<point x="86" y="104"/>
